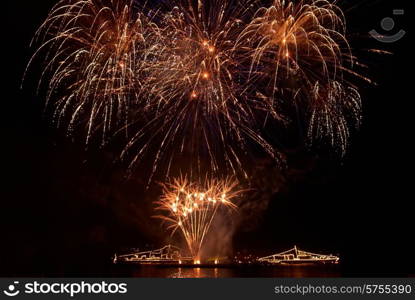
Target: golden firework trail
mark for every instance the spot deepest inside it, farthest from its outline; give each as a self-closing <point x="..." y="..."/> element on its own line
<point x="300" y="53"/>
<point x="203" y="79"/>
<point x="198" y="100"/>
<point x="93" y="52"/>
<point x="191" y="208"/>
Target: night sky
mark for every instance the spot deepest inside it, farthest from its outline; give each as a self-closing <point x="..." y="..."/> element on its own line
<point x="65" y="211"/>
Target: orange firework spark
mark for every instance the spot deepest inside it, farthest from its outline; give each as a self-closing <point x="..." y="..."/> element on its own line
<point x="191" y="208"/>
<point x="300" y="51"/>
<point x="204" y="79"/>
<point x="94" y="52"/>
<point x="197" y="60"/>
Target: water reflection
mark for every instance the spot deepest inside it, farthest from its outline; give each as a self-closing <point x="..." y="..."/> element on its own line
<point x="258" y="271"/>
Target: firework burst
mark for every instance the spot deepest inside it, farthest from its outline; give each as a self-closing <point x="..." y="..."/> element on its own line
<point x="94" y="52"/>
<point x="191" y="208"/>
<point x="198" y="100"/>
<point x="300" y="54"/>
<point x="208" y="80"/>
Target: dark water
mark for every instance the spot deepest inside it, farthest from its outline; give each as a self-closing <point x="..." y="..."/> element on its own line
<point x="227" y="272"/>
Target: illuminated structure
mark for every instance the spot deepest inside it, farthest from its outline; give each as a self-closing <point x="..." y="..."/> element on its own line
<point x="296" y="256"/>
<point x="172" y="255"/>
<point x="167" y="254"/>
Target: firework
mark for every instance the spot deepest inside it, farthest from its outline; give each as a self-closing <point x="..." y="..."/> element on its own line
<point x="300" y="54"/>
<point x="94" y="52"/>
<point x="210" y="80"/>
<point x="191" y="208"/>
<point x="198" y="100"/>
